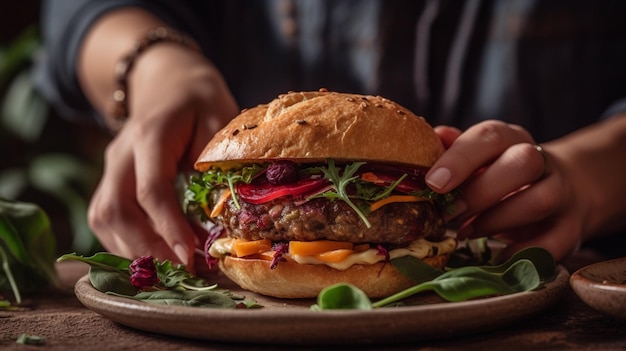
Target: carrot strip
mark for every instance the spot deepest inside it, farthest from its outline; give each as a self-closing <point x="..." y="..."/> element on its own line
<point x="219" y="206"/>
<point x="334" y="255"/>
<point x="312" y="248"/>
<point x="396" y="198"/>
<point x="243" y="248"/>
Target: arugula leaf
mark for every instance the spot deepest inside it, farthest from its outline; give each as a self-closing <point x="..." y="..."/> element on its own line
<point x="178" y="278"/>
<point x="196" y="194"/>
<point x="340" y="182"/>
<point x="443" y="201"/>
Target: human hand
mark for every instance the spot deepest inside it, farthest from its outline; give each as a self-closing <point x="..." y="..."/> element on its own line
<point x="510" y="189"/>
<point x="177" y="101"/>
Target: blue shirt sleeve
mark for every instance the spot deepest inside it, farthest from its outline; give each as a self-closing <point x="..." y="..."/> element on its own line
<point x="64" y="24"/>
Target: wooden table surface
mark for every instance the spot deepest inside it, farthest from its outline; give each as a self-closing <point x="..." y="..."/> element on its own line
<point x="66" y="324"/>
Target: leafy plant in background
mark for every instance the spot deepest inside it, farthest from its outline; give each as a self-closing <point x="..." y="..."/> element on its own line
<point x="44" y="172"/>
<point x="27" y="249"/>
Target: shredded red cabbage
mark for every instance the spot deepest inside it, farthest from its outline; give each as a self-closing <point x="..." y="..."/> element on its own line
<point x="279" y="249"/>
<point x="214" y="233"/>
<point x="383" y="252"/>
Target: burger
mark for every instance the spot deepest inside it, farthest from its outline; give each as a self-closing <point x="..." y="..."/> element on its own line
<point x="317" y="188"/>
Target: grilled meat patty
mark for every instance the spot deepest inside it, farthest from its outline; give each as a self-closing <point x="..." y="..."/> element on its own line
<point x="283" y="219"/>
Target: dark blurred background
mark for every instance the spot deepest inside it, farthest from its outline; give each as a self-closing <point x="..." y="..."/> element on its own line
<point x="44" y="159"/>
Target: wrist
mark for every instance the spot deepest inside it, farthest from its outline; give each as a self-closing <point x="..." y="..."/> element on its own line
<point x="120" y="98"/>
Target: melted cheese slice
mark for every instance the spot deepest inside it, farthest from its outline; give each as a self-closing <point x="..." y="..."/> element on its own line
<point x="419" y="248"/>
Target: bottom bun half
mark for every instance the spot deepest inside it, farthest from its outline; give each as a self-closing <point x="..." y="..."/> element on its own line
<point x="294" y="280"/>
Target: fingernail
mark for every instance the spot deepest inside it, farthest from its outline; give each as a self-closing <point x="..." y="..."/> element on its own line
<point x="182" y="253"/>
<point x="439" y="178"/>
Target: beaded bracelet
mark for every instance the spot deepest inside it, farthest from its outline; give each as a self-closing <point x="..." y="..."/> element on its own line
<point x="126" y="63"/>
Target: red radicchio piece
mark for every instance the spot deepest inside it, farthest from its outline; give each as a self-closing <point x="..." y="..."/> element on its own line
<point x="282" y="172"/>
<point x="143" y="273"/>
<point x="383" y="252"/>
<point x="214" y="233"/>
<point x="279" y="249"/>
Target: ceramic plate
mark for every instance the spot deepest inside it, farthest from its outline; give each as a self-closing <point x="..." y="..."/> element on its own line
<point x="602" y="286"/>
<point x="283" y="321"/>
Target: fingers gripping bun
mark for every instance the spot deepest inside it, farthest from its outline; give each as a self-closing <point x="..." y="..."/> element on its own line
<point x="315" y="126"/>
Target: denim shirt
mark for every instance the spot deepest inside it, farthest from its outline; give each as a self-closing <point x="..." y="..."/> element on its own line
<point x="550" y="66"/>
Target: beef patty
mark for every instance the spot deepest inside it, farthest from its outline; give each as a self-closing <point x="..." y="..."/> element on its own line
<point x="316" y="219"/>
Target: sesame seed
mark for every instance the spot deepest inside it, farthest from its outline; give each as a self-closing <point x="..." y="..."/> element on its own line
<point x="235" y="132"/>
<point x="350" y="99"/>
<point x="400" y="112"/>
<point x="301" y="121"/>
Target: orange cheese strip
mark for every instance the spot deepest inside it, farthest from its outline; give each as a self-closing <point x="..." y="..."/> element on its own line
<point x="243" y="248"/>
<point x="312" y="248"/>
<point x="396" y="198"/>
<point x="334" y="255"/>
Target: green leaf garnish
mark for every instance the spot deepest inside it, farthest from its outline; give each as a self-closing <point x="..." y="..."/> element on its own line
<point x="110" y="274"/>
<point x="339" y="183"/>
<point x="200" y="186"/>
<point x="342" y="296"/>
<point x="527" y="270"/>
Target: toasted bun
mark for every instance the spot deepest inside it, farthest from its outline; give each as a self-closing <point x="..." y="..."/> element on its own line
<point x="315" y="126"/>
<point x="293" y="280"/>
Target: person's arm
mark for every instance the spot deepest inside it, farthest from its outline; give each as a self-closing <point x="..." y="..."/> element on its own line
<point x="177" y="100"/>
<point x="111" y="38"/>
<point x="509" y="192"/>
<point x="594" y="157"/>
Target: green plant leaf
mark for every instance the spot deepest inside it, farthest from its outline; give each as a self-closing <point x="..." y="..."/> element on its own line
<point x="6" y="269"/>
<point x="28" y="245"/>
<point x="19" y="52"/>
<point x="415" y="269"/>
<point x="101" y="260"/>
<point x="24" y="111"/>
<point x="470" y="282"/>
<point x="211" y="299"/>
<point x="28" y="339"/>
<point x="106" y="280"/>
<point x="342" y="296"/>
<point x="518" y="274"/>
<point x="541" y="258"/>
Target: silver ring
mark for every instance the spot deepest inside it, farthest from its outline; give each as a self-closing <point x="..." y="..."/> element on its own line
<point x="545" y="158"/>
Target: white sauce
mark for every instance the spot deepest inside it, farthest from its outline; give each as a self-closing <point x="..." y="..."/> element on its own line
<point x="420" y="248"/>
